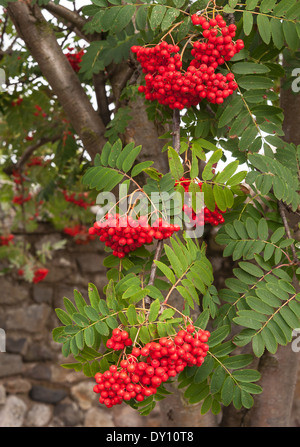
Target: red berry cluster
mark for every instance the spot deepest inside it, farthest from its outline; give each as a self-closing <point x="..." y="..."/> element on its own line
<point x="6" y="240"/>
<point x="80" y="234"/>
<point x="75" y="58"/>
<point x="79" y="199"/>
<point x="138" y="379"/>
<point x="39" y="274"/>
<point x="219" y="46"/>
<point x="212" y="217"/>
<point x="17" y="102"/>
<point x="20" y="199"/>
<point x="119" y="340"/>
<point x="169" y="85"/>
<point x="123" y="234"/>
<point x="35" y="161"/>
<point x="17" y="177"/>
<point x="39" y="111"/>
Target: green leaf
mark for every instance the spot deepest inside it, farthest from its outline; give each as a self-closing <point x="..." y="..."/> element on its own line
<point x="277" y="235"/>
<point x="102" y="328"/>
<point x="227" y="391"/>
<point x="262" y="229"/>
<point x="264" y="28"/>
<point x="170" y="16"/>
<point x="123" y="17"/>
<point x="247" y="22"/>
<point x="238" y="361"/>
<point x="157" y="16"/>
<point x="154" y="310"/>
<point x="91" y="313"/>
<point x="131" y="315"/>
<point x="140" y="167"/>
<point x="105" y="154"/>
<point x="89" y="336"/>
<point x="277" y="33"/>
<point x="114" y="153"/>
<point x="246" y="375"/>
<point x="141" y="17"/>
<point x="205" y="370"/>
<point x="230" y="111"/>
<point x="144" y="335"/>
<point x="129" y="160"/>
<point x="175" y="164"/>
<point x="166" y="271"/>
<point x="79" y="301"/>
<point x="218" y="336"/>
<point x="249" y="68"/>
<point x="217" y="379"/>
<point x="80" y="319"/>
<point x="93" y="295"/>
<point x="252" y="269"/>
<point x="258" y="345"/>
<point x="250" y="82"/>
<point x="70" y="308"/>
<point x="220" y="197"/>
<point x="291" y="35"/>
<point x="63" y="316"/>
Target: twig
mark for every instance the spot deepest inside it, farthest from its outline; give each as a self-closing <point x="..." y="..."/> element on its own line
<point x="176" y="130"/>
<point x="159" y="247"/>
<point x="287" y="228"/>
<point x="29" y="151"/>
<point x="157" y="256"/>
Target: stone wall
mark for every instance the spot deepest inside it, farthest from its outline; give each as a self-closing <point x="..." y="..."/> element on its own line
<point x="34" y="389"/>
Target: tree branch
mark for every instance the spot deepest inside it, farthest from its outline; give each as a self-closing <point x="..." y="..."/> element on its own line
<point x="73" y="18"/>
<point x="66" y="14"/>
<point x="176" y="130"/>
<point x="287" y="228"/>
<point x="101" y="96"/>
<point x="41" y="42"/>
<point x="29" y="151"/>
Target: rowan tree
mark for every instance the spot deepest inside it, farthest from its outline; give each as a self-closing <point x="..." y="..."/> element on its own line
<point x="171" y="97"/>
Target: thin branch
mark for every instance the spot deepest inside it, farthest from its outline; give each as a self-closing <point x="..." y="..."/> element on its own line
<point x="29" y="151"/>
<point x="287" y="228"/>
<point x="66" y="14"/>
<point x="101" y="96"/>
<point x="176" y="130"/>
<point x="73" y="18"/>
<point x="3" y="31"/>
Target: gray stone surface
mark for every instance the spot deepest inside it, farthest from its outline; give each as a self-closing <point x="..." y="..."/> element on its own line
<point x="10" y="364"/>
<point x="39" y="415"/>
<point x="32" y="318"/>
<point x="41" y="393"/>
<point x="98" y="417"/>
<point x="18" y="385"/>
<point x="13" y="412"/>
<point x="83" y="394"/>
<point x="42" y="293"/>
<point x="68" y="413"/>
<point x="12" y="293"/>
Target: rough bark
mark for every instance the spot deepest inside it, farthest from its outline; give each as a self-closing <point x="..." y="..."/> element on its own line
<point x="41" y="42"/>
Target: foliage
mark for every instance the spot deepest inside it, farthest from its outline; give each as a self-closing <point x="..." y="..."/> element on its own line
<point x="259" y="306"/>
